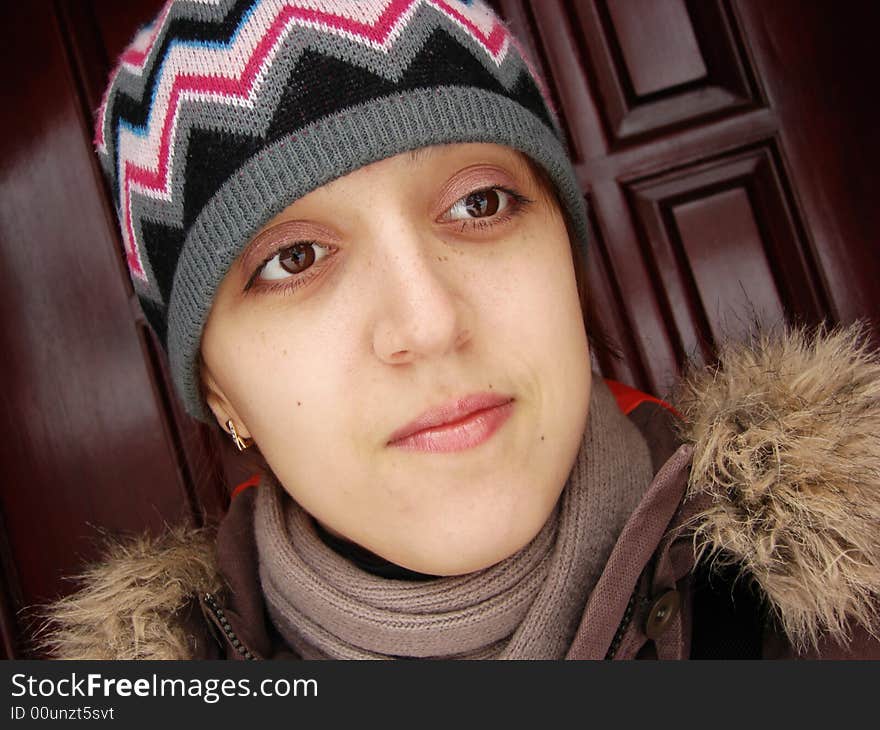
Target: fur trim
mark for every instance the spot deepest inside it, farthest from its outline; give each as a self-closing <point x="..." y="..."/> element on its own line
<point x="786" y="434"/>
<point x="128" y="604"/>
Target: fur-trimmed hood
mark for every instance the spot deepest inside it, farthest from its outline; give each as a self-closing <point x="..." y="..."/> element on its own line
<point x="785" y="432"/>
<point x="786" y="435"/>
<point x="130" y="604"/>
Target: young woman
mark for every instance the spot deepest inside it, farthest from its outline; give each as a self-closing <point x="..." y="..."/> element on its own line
<point x="356" y="229"/>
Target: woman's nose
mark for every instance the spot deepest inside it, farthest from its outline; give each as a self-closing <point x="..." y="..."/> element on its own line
<point x="422" y="313"/>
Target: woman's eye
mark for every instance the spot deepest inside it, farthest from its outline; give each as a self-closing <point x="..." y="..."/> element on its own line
<point x="480" y="204"/>
<point x="292" y="260"/>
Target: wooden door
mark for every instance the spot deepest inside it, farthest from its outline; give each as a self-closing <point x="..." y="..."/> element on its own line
<point x="726" y="151"/>
<point x="92" y="437"/>
<point x="727" y="155"/>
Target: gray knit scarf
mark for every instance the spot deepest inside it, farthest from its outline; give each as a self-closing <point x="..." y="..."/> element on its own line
<point x="528" y="606"/>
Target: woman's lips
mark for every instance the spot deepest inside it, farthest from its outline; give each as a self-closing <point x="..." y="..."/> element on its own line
<point x="455" y="426"/>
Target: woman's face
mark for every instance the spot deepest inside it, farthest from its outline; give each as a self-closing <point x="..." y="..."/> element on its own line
<point x="400" y="297"/>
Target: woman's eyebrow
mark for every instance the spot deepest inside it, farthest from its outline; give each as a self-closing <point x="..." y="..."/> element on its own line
<point x="419" y="155"/>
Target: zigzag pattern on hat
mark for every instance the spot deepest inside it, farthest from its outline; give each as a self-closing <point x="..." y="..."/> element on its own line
<point x="208" y="85"/>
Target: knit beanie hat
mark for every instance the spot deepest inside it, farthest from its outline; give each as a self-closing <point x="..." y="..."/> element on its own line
<point x="223" y="112"/>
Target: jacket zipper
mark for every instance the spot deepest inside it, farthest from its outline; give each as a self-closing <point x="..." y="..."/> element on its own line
<point x="624" y="625"/>
<point x="223" y="622"/>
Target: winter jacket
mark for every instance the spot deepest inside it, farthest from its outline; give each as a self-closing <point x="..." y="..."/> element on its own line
<point x="759" y="535"/>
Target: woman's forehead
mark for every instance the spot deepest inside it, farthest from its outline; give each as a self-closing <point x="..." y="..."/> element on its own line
<point x="405" y="169"/>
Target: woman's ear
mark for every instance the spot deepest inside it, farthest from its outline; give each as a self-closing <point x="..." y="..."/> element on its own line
<point x="220" y="406"/>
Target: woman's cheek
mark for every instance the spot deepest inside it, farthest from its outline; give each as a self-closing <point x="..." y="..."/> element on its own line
<point x="541" y="291"/>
